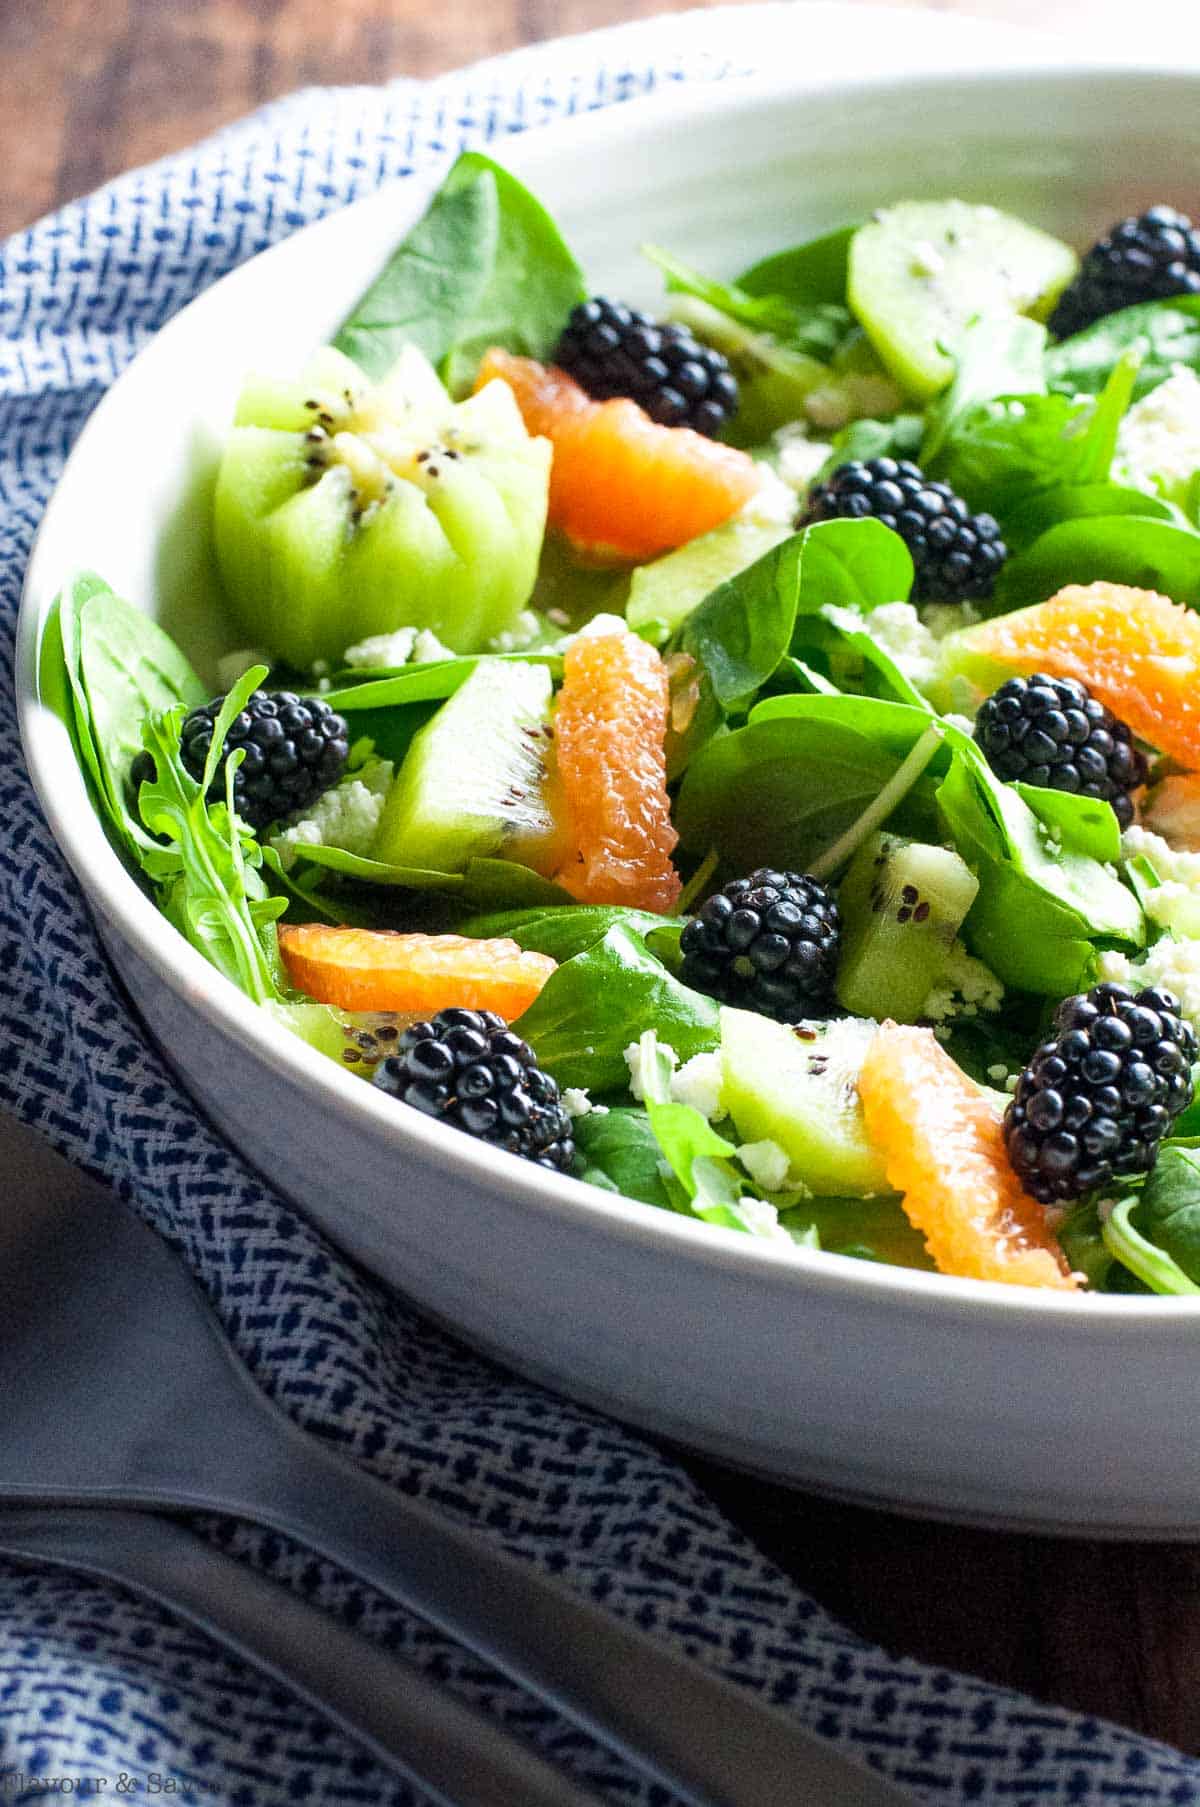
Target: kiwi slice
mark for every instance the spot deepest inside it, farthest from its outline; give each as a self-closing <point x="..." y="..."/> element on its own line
<point x="797" y="1085"/>
<point x="478" y="781"/>
<point x="664" y="592"/>
<point x="901" y="903"/>
<point x="921" y="269"/>
<point x="357" y="1039"/>
<point x="344" y="510"/>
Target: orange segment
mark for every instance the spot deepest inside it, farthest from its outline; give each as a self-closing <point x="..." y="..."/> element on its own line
<point x="376" y="969"/>
<point x="943" y="1148"/>
<point x="609" y="730"/>
<point x="1135" y="650"/>
<point x="620" y="485"/>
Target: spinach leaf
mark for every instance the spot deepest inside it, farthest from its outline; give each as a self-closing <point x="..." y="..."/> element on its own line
<point x="431" y="682"/>
<point x="854" y="656"/>
<point x="812" y="271"/>
<point x="204" y="866"/>
<point x="899" y="437"/>
<point x="483" y="883"/>
<point x="743" y="628"/>
<point x="1151" y="1264"/>
<point x="567" y="930"/>
<point x="1040" y="908"/>
<point x="813" y="328"/>
<point x="1085" y="825"/>
<point x="485" y="265"/>
<point x="1168" y="1212"/>
<point x="1082" y="1237"/>
<point x="1125" y="549"/>
<point x="787" y="786"/>
<point x="854" y="564"/>
<point x="1165" y="333"/>
<point x="620" y="1153"/>
<point x="872" y="1229"/>
<point x="1082" y="501"/>
<point x="596" y="1003"/>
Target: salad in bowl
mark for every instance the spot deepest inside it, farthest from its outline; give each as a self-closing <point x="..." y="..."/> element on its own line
<point x="745" y="756"/>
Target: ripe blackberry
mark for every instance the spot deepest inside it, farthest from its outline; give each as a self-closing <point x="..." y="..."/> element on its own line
<point x="956" y="554"/>
<point x="1147" y="258"/>
<point x="768" y="942"/>
<point x="613" y="350"/>
<point x="296" y="748"/>
<point x="1052" y="731"/>
<point x="1098" y="1097"/>
<point x="468" y="1069"/>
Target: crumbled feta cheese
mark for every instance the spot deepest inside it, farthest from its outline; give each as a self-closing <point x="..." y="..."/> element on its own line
<point x="428" y="649"/>
<point x="382" y="650"/>
<point x="762" y="1219"/>
<point x="1175" y="903"/>
<point x="773" y="503"/>
<point x="600" y="626"/>
<point x="698" y="1083"/>
<point x="346" y="816"/>
<point x="766" y="1163"/>
<point x="965" y="988"/>
<point x="1158" y="443"/>
<point x="798" y="459"/>
<point x="576" y="1103"/>
<point x="517" y="636"/>
<point x="236" y="664"/>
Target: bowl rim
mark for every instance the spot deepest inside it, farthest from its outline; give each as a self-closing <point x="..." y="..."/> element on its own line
<point x="109" y="887"/>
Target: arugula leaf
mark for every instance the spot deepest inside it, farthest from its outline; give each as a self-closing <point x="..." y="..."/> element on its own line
<point x="596" y="1003"/>
<point x="1168" y="1210"/>
<point x="813" y="328"/>
<point x="813" y="271"/>
<point x="485" y="265"/>
<point x="1165" y="333"/>
<point x="206" y="867"/>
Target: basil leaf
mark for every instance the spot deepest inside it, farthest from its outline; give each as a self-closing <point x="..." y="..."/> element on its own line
<point x="595" y="1004"/>
<point x="1124" y="549"/>
<point x="485" y="265"/>
<point x="1165" y="333"/>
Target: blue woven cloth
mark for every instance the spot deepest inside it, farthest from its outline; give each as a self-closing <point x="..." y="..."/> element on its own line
<point x="93" y="1684"/>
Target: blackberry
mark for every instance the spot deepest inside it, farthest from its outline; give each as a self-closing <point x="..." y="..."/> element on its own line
<point x="613" y="350"/>
<point x="1098" y="1097"/>
<point x="768" y="942"/>
<point x="1052" y="731"/>
<point x="1147" y="258"/>
<point x="956" y="554"/>
<point x="296" y="748"/>
<point x="468" y="1069"/>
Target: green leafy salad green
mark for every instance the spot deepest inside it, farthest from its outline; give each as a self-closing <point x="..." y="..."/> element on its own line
<point x="827" y="826"/>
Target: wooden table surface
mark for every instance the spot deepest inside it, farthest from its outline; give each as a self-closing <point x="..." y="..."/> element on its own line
<point x="96" y="86"/>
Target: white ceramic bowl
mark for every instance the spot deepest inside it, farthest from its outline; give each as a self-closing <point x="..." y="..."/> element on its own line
<point x="928" y="1393"/>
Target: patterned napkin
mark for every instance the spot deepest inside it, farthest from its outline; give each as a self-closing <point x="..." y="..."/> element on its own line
<point x="93" y="1684"/>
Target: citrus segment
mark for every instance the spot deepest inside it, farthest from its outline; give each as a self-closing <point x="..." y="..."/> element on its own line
<point x="1138" y="652"/>
<point x="377" y="969"/>
<point x="943" y="1148"/>
<point x="610" y="731"/>
<point x="621" y="486"/>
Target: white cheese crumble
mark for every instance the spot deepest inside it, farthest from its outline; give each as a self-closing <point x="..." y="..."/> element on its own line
<point x="428" y="649"/>
<point x="763" y="1219"/>
<point x="798" y="459"/>
<point x="965" y="988"/>
<point x="517" y="636"/>
<point x="601" y="626"/>
<point x="766" y="1163"/>
<point x="576" y="1103"/>
<point x="379" y="650"/>
<point x="346" y="816"/>
<point x="697" y="1082"/>
<point x="1158" y="442"/>
<point x="773" y="503"/>
<point x="1175" y="903"/>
